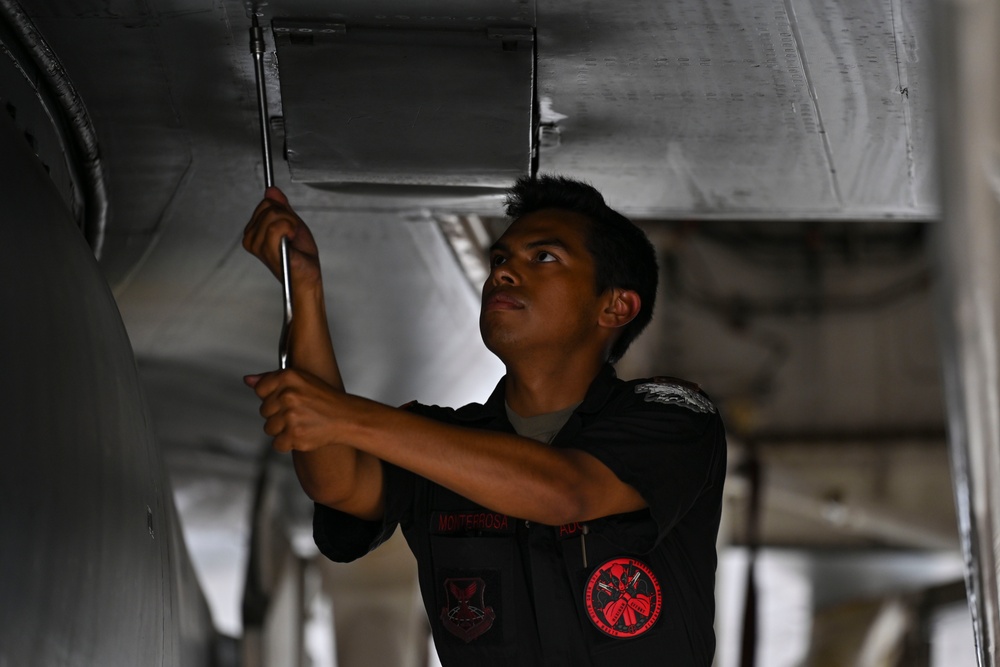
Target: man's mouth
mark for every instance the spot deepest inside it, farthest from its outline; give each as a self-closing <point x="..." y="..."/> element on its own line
<point x="502" y="301"/>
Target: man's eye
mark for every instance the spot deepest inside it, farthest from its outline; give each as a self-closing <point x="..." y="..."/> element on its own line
<point x="545" y="256"/>
<point x="497" y="260"/>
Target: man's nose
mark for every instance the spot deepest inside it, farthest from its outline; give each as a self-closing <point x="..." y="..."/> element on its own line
<point x="505" y="273"/>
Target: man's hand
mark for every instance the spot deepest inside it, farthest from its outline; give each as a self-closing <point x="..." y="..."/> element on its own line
<point x="301" y="411"/>
<point x="310" y="418"/>
<point x="306" y="409"/>
<point x="273" y="219"/>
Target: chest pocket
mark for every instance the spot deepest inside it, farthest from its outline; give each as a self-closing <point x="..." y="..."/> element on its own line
<point x="473" y="570"/>
<point x="620" y="593"/>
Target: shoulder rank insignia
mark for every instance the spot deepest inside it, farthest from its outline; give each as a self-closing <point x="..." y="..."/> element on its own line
<point x="672" y="393"/>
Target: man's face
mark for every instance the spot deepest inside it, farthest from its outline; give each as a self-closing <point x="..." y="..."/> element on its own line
<point x="541" y="290"/>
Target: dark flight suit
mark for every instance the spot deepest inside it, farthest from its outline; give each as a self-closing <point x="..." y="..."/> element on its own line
<point x="628" y="589"/>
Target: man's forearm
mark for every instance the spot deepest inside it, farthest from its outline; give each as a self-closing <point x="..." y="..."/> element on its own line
<point x="500" y="471"/>
<point x="331" y="475"/>
<point x="335" y="474"/>
<point x="342" y="478"/>
<point x="309" y="338"/>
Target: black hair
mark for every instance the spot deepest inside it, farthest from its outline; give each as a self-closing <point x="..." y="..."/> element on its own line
<point x="623" y="255"/>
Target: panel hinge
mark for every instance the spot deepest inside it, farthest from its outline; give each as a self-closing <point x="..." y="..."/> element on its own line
<point x="287" y="26"/>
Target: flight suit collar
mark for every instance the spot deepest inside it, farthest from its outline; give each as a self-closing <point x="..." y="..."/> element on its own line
<point x="493" y="410"/>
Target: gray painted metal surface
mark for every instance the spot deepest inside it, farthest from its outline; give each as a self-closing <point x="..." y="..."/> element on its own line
<point x="769" y="109"/>
<point x="764" y="109"/>
<point x="797" y="109"/>
<point x="406" y="105"/>
<point x="93" y="570"/>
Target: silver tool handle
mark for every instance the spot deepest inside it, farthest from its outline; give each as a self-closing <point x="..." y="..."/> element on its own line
<point x="257" y="48"/>
<point x="283" y="352"/>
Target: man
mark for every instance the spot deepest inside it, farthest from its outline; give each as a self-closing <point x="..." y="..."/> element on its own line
<point x="572" y="519"/>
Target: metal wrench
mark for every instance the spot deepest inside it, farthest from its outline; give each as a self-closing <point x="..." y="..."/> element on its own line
<point x="257" y="50"/>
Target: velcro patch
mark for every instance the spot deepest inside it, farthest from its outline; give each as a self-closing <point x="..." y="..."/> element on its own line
<point x="623" y="598"/>
<point x="568" y="530"/>
<point x="671" y="393"/>
<point x="471" y="606"/>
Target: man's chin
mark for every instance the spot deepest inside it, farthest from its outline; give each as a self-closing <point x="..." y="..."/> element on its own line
<point x="501" y="342"/>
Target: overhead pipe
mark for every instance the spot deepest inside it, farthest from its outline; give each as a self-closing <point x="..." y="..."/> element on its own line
<point x="71" y="121"/>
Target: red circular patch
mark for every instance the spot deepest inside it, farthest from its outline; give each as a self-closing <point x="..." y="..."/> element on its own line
<point x="623" y="598"/>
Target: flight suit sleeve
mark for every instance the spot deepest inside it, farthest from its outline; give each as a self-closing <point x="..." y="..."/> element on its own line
<point x="665" y="440"/>
<point x="343" y="538"/>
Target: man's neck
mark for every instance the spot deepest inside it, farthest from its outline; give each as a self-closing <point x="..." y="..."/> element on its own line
<point x="533" y="388"/>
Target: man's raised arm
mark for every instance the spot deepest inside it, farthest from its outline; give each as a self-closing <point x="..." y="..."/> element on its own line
<point x="339" y="476"/>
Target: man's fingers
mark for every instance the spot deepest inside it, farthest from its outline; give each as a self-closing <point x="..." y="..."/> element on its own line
<point x="264" y="227"/>
<point x="264" y="206"/>
<point x="273" y="220"/>
<point x="257" y="382"/>
<point x="272" y="404"/>
<point x="263" y="238"/>
<point x="274" y="425"/>
<point x="292" y="406"/>
<point x="265" y="384"/>
<point x="276" y="194"/>
<point x="268" y="214"/>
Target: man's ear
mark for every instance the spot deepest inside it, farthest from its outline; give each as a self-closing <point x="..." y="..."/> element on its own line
<point x="621" y="307"/>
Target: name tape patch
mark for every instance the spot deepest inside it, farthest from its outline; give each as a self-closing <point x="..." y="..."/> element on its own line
<point x="450" y="523"/>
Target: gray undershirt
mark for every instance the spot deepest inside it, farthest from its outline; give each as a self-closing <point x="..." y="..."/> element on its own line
<point x="542" y="428"/>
